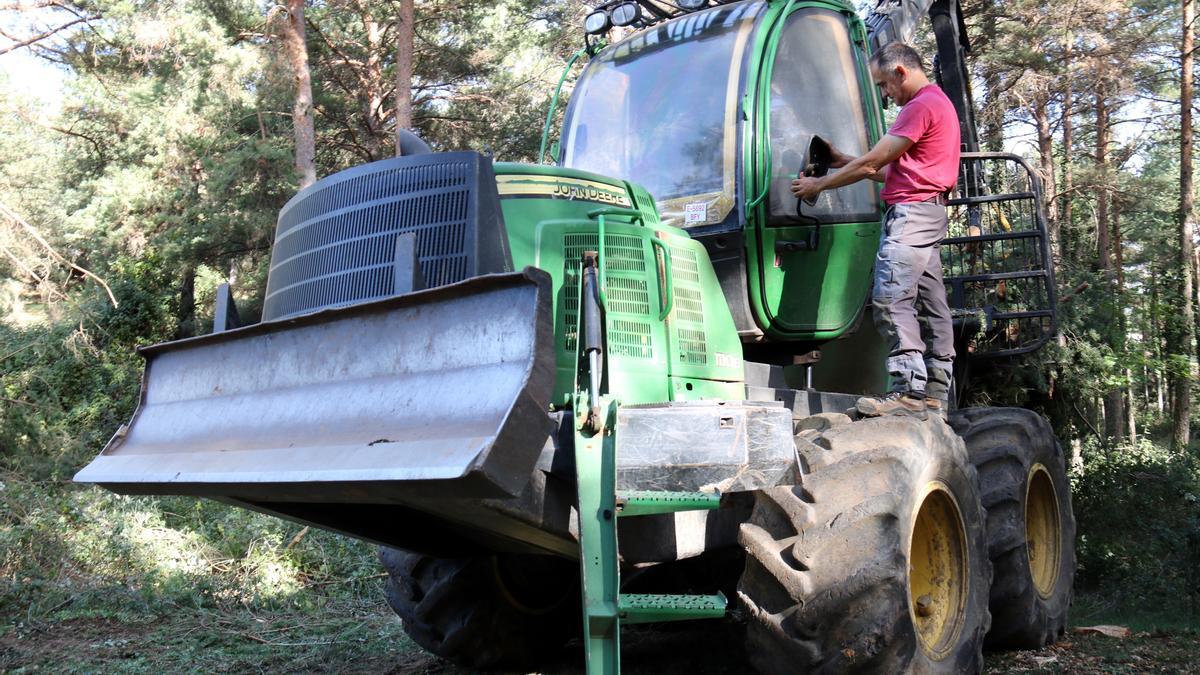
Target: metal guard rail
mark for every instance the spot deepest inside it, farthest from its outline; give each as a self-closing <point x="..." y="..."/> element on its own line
<point x="997" y="262"/>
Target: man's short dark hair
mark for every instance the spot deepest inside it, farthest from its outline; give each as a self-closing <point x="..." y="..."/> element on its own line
<point x="897" y="54"/>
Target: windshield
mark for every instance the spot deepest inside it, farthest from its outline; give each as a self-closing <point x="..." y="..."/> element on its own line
<point x="658" y="110"/>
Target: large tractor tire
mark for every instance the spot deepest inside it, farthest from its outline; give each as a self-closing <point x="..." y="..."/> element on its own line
<point x="496" y="612"/>
<point x="1030" y="524"/>
<point x="877" y="562"/>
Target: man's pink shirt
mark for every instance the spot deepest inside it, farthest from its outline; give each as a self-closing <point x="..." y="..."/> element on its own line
<point x="930" y="167"/>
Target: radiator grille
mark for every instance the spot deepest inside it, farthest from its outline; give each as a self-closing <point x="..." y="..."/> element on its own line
<point x="687" y="317"/>
<point x="629" y="299"/>
<point x="630" y="338"/>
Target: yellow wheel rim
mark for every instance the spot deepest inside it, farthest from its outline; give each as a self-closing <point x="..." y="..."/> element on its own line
<point x="1043" y="532"/>
<point x="938" y="572"/>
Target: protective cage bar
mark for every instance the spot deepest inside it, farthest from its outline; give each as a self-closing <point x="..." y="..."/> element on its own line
<point x="996" y="260"/>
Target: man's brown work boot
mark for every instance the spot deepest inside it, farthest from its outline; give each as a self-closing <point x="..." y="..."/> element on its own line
<point x="892" y="403"/>
<point x="938" y="407"/>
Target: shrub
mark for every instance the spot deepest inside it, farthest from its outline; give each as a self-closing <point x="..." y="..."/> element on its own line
<point x="1138" y="508"/>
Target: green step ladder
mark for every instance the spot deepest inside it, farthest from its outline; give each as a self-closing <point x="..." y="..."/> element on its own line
<point x="605" y="609"/>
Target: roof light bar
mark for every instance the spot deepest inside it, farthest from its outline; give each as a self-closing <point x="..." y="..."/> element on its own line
<point x="641" y="13"/>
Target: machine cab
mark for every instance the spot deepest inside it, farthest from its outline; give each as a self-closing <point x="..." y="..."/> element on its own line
<point x="712" y="112"/>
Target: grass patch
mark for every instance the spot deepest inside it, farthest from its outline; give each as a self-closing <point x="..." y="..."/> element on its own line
<point x="337" y="637"/>
<point x="91" y="580"/>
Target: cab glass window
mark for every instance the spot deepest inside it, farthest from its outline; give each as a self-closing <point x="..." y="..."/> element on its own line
<point x="815" y="90"/>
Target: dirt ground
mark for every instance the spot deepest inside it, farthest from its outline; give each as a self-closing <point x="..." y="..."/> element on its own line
<point x="373" y="643"/>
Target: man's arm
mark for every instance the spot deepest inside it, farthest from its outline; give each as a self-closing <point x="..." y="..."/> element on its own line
<point x="841" y="159"/>
<point x="872" y="165"/>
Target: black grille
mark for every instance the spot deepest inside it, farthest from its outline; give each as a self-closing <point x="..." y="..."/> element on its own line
<point x="335" y="242"/>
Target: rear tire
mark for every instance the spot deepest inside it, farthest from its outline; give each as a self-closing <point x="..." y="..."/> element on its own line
<point x="1030" y="524"/>
<point x="497" y="612"/>
<point x="827" y="584"/>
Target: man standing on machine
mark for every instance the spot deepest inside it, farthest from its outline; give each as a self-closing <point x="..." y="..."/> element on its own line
<point x="917" y="162"/>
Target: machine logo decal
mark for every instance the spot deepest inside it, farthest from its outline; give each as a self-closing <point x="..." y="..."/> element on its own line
<point x="562" y="188"/>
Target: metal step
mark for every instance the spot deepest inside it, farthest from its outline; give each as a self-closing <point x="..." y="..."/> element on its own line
<point x="650" y="502"/>
<point x="655" y="608"/>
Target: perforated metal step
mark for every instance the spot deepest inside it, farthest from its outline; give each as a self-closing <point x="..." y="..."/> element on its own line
<point x="648" y="502"/>
<point x="654" y="608"/>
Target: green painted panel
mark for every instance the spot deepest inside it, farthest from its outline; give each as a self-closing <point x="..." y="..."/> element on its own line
<point x="705" y="344"/>
<point x="690" y="389"/>
<point x="695" y="353"/>
<point x="637" y="340"/>
<point x="819" y="291"/>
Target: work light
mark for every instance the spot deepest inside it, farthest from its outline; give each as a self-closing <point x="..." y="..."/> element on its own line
<point x="596" y="22"/>
<point x="625" y="14"/>
<point x="691" y="5"/>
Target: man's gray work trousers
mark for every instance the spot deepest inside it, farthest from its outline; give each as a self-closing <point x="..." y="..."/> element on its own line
<point x="909" y="295"/>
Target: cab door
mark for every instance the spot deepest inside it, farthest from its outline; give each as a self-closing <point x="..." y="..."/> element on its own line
<point x="810" y="268"/>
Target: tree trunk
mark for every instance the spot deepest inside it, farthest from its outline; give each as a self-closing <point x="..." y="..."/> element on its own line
<point x="1122" y="327"/>
<point x="1131" y="409"/>
<point x="1181" y="350"/>
<point x="186" y="327"/>
<point x="1068" y="129"/>
<point x="1114" y="415"/>
<point x="296" y="47"/>
<point x="1156" y="335"/>
<point x="1114" y="408"/>
<point x="404" y="70"/>
<point x="1118" y="254"/>
<point x="1068" y="139"/>
<point x="1145" y="383"/>
<point x="372" y="95"/>
<point x="1103" y="245"/>
<point x="992" y="117"/>
<point x="1196" y="296"/>
<point x="1045" y="141"/>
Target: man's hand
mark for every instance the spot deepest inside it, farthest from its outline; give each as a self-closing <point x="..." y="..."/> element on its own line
<point x="807" y="188"/>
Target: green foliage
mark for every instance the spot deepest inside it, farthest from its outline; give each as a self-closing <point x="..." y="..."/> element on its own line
<point x="69" y="385"/>
<point x="146" y="555"/>
<point x="1138" y="508"/>
<point x="162" y="170"/>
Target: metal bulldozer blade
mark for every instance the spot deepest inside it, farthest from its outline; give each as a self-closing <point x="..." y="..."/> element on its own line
<point x="439" y="393"/>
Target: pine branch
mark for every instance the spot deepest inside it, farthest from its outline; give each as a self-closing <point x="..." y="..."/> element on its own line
<point x="69" y="132"/>
<point x="40" y="281"/>
<point x="26" y="5"/>
<point x="37" y="236"/>
<point x="42" y="36"/>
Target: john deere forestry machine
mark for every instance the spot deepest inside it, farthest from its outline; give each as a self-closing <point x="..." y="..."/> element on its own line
<point x="492" y="370"/>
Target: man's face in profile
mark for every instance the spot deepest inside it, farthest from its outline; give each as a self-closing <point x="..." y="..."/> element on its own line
<point x="891" y="82"/>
